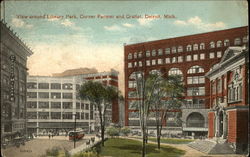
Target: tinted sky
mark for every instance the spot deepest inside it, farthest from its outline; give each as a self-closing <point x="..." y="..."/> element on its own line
<point x="60" y="44"/>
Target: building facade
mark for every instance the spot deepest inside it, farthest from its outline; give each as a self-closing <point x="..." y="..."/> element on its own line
<point x="229" y="98"/>
<point x="189" y="56"/>
<point x="53" y="102"/>
<point x="14" y="55"/>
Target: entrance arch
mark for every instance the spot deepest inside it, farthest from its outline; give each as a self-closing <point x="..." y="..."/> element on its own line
<point x="195" y="119"/>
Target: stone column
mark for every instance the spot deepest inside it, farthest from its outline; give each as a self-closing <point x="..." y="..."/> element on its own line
<point x="225" y="124"/>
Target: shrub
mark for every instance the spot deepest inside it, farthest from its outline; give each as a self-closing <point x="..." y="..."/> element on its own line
<point x="125" y="131"/>
<point x="53" y="152"/>
<point x="112" y="131"/>
<point x="86" y="154"/>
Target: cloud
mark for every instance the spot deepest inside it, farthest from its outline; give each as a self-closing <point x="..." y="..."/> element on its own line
<point x="20" y="23"/>
<point x="128" y="25"/>
<point x="198" y="23"/>
<point x="113" y="28"/>
<point x="145" y="22"/>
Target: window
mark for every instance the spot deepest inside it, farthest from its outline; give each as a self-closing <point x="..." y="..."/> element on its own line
<point x="86" y="115"/>
<point x="195" y="69"/>
<point x="133" y="105"/>
<point x="77" y="105"/>
<point x="195" y="91"/>
<point x="245" y="39"/>
<point x="153" y="53"/>
<point x="226" y="42"/>
<point x="55" y="95"/>
<point x="135" y="55"/>
<point x="180" y="49"/>
<point x="140" y="63"/>
<point x="86" y="106"/>
<point x="130" y="65"/>
<point x="188" y="58"/>
<point x="174" y="60"/>
<point x="56" y="105"/>
<point x="202" y="46"/>
<point x="174" y="71"/>
<point x="173" y="49"/>
<point x="189" y="48"/>
<point x="196" y="47"/>
<point x="148" y="62"/>
<point x="153" y="62"/>
<point x="196" y="80"/>
<point x="180" y="59"/>
<point x="219" y="86"/>
<point x="43" y="104"/>
<point x="237" y="41"/>
<point x="212" y="44"/>
<point x="67" y="115"/>
<point x="55" y="115"/>
<point x="167" y="60"/>
<point x="160" y="52"/>
<point x="67" y="105"/>
<point x="133" y="114"/>
<point x="135" y="64"/>
<point x="43" y="95"/>
<point x="67" y="86"/>
<point x="31" y="95"/>
<point x="43" y="86"/>
<point x="202" y="56"/>
<point x="147" y="53"/>
<point x="219" y="43"/>
<point x="195" y="103"/>
<point x="135" y="75"/>
<point x="132" y="84"/>
<point x="67" y="95"/>
<point x="211" y="55"/>
<point x="160" y="61"/>
<point x="140" y="55"/>
<point x="31" y="85"/>
<point x="132" y="94"/>
<point x="31" y="115"/>
<point x="167" y="51"/>
<point x="31" y="104"/>
<point x="129" y="56"/>
<point x="43" y="115"/>
<point x="55" y="86"/>
<point x="219" y="54"/>
<point x="195" y="57"/>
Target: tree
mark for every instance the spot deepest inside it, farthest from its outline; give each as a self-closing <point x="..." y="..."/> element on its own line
<point x="113" y="131"/>
<point x="125" y="131"/>
<point x="167" y="93"/>
<point x="101" y="97"/>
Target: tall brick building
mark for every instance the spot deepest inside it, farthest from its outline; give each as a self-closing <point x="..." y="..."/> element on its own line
<point x="190" y="56"/>
<point x="229" y="98"/>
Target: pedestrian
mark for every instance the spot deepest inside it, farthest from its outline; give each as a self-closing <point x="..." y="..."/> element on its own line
<point x="49" y="135"/>
<point x="52" y="135"/>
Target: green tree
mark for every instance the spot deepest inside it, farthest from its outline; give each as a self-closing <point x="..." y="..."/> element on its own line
<point x="101" y="96"/>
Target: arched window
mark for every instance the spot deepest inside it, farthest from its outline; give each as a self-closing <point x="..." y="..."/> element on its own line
<point x="237" y="41"/>
<point x="155" y="71"/>
<point x="195" y="119"/>
<point x="212" y="44"/>
<point x="189" y="48"/>
<point x="180" y="49"/>
<point x="153" y="53"/>
<point x="226" y="42"/>
<point x="202" y="46"/>
<point x="245" y="39"/>
<point x="219" y="43"/>
<point x="130" y="56"/>
<point x="174" y="49"/>
<point x="147" y="53"/>
<point x="195" y="69"/>
<point x="135" y="55"/>
<point x="196" y="47"/>
<point x="140" y="55"/>
<point x="174" y="71"/>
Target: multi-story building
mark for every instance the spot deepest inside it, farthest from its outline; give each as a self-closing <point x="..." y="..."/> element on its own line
<point x="189" y="56"/>
<point x="14" y="55"/>
<point x="229" y="98"/>
<point x="54" y="101"/>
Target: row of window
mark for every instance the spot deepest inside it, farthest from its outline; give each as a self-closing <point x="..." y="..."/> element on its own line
<point x="47" y="95"/>
<point x="179" y="59"/>
<point x="68" y="86"/>
<point x="193" y="47"/>
<point x="59" y="115"/>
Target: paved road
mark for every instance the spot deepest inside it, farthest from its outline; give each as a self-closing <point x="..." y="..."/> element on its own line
<point x="38" y="146"/>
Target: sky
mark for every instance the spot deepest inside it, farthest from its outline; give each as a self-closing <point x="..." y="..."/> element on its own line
<point x="59" y="42"/>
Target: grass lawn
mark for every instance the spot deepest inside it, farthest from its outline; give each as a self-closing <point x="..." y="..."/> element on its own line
<point x="172" y="140"/>
<point x="117" y="147"/>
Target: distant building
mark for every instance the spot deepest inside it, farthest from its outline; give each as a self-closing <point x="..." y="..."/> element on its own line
<point x="191" y="57"/>
<point x="53" y="101"/>
<point x="14" y="55"/>
<point x="229" y="98"/>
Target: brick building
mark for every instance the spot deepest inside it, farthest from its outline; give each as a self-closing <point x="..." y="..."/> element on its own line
<point x="14" y="54"/>
<point x="190" y="56"/>
<point x="229" y="98"/>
